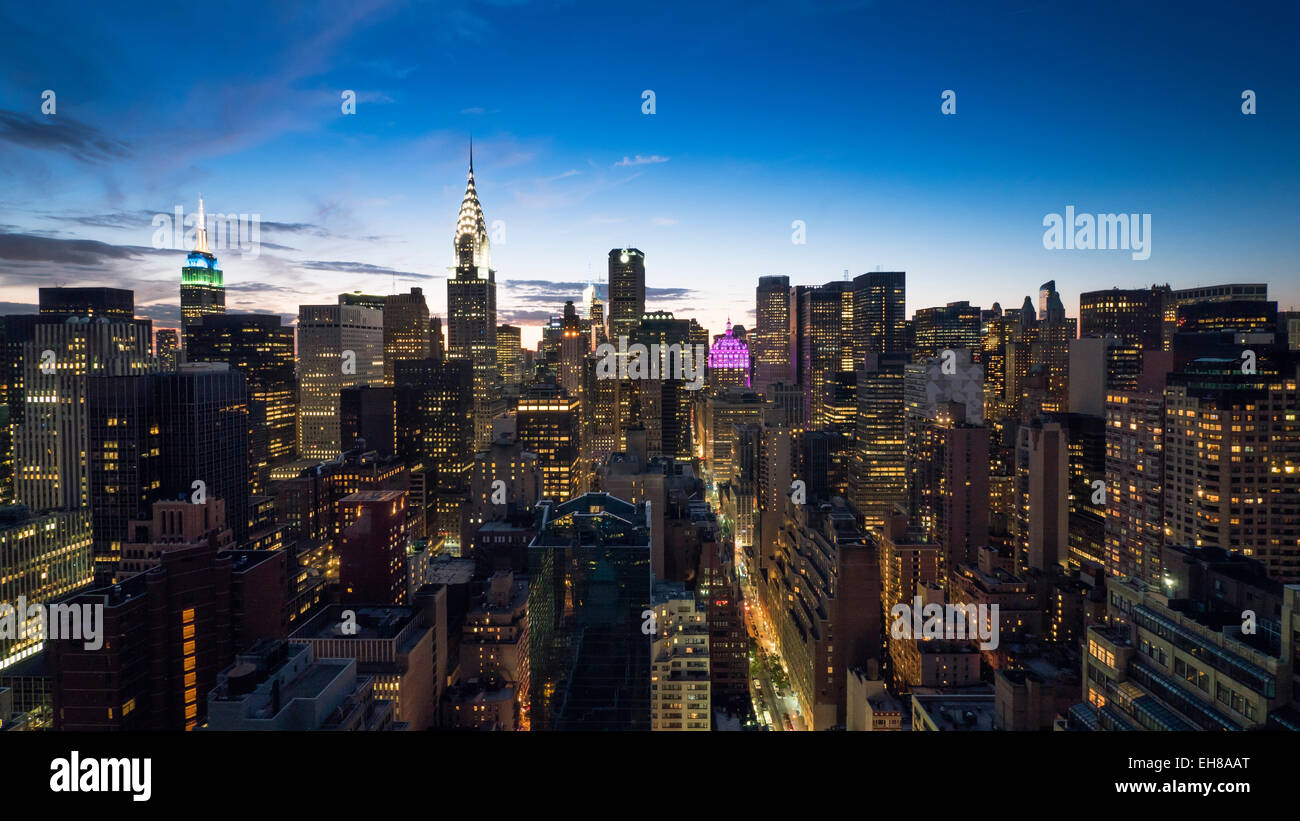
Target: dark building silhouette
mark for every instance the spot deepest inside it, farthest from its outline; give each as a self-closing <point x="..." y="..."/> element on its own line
<point x="589" y="575"/>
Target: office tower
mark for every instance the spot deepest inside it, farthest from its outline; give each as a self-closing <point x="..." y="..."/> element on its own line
<point x="717" y="589"/>
<point x="504" y="479"/>
<point x="962" y="521"/>
<point x="472" y="308"/>
<point x="1135" y="465"/>
<point x="827" y="628"/>
<point x="626" y="291"/>
<point x="510" y="355"/>
<point x="42" y="559"/>
<point x="1232" y="466"/>
<point x="1236" y="292"/>
<point x="771" y="337"/>
<point x="994" y="335"/>
<point x="58" y="303"/>
<point x="721" y="414"/>
<point x="679" y="674"/>
<point x="368" y="416"/>
<point x="595" y="315"/>
<point x="665" y="402"/>
<point x="930" y="387"/>
<point x="589" y="643"/>
<point x="741" y="488"/>
<point x="396" y="644"/>
<point x="328" y="693"/>
<point x="338" y="346"/>
<point x="167" y="348"/>
<point x="775" y="478"/>
<point x="435" y="426"/>
<point x="358" y="299"/>
<point x="1224" y="329"/>
<point x="494" y="648"/>
<point x="406" y="329"/>
<point x="1042" y="508"/>
<point x="437" y="342"/>
<point x="878" y="478"/>
<point x="548" y="424"/>
<point x="955" y="326"/>
<point x="166" y="634"/>
<point x="1136" y="317"/>
<point x="602" y="427"/>
<point x="372" y="561"/>
<point x="826" y="337"/>
<point x="203" y="292"/>
<point x="181" y="435"/>
<point x="634" y="476"/>
<point x="1086" y="442"/>
<point x="261" y="347"/>
<point x="1173" y="656"/>
<point x="879" y="314"/>
<point x="173" y="525"/>
<point x="50" y="444"/>
<point x="1050" y="351"/>
<point x="573" y="352"/>
<point x="729" y="363"/>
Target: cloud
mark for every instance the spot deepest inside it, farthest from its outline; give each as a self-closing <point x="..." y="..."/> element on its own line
<point x="669" y="293"/>
<point x="35" y="248"/>
<point x="62" y="135"/>
<point x="364" y="268"/>
<point x="512" y="316"/>
<point x="640" y="160"/>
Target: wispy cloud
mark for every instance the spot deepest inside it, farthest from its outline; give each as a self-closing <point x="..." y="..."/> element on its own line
<point x="62" y="135"/>
<point x="641" y="160"/>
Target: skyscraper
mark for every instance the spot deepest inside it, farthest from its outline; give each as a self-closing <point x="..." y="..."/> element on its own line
<point x="50" y="446"/>
<point x="181" y="435"/>
<point x="548" y="424"/>
<point x="589" y="653"/>
<point x="510" y="355"/>
<point x="626" y="291"/>
<point x="261" y="347"/>
<point x="878" y="476"/>
<point x="338" y="346"/>
<point x="406" y="330"/>
<point x="879" y="314"/>
<point x="955" y="326"/>
<point x="472" y="308"/>
<point x="771" y="337"/>
<point x="203" y="292"/>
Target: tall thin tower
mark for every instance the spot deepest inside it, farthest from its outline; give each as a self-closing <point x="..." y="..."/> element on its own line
<point x="203" y="291"/>
<point x="472" y="307"/>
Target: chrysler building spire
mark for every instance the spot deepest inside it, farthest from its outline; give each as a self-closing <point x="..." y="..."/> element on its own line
<point x="471" y="240"/>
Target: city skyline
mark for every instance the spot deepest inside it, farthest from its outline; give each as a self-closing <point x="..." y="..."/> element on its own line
<point x="706" y="186"/>
<point x="836" y="366"/>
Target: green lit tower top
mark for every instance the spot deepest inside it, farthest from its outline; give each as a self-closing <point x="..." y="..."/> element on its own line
<point x="203" y="292"/>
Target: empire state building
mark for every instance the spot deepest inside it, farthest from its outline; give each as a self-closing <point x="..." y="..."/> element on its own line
<point x="472" y="308"/>
<point x="203" y="292"/>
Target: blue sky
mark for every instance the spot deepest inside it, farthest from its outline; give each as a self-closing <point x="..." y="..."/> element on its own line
<point x="766" y="113"/>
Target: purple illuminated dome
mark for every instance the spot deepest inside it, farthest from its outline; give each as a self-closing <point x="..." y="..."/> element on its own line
<point x="730" y="354"/>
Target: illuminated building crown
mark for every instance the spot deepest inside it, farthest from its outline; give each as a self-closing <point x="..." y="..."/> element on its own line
<point x="471" y="241"/>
